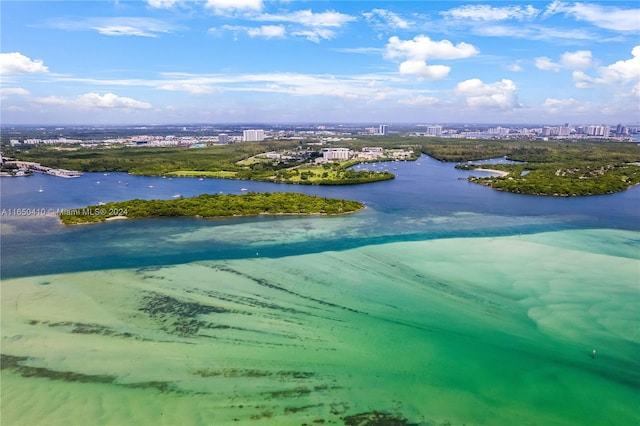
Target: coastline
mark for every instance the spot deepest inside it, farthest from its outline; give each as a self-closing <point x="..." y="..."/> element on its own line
<point x="501" y="173"/>
<point x="121" y="217"/>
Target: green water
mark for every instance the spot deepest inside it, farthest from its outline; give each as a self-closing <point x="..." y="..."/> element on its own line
<point x="487" y="331"/>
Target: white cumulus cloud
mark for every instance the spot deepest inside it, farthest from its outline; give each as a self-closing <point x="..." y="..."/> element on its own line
<point x="17" y="63"/>
<point x="423" y="48"/>
<point x="421" y="69"/>
<point x="580" y="59"/>
<point x="94" y="100"/>
<point x="515" y="67"/>
<point x="420" y="48"/>
<point x="620" y="72"/>
<point x="499" y="95"/>
<point x="546" y="64"/>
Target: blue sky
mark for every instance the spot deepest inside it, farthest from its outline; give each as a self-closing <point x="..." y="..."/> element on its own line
<point x="222" y="61"/>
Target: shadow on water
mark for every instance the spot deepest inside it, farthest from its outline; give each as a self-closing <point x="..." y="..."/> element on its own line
<point x="81" y="249"/>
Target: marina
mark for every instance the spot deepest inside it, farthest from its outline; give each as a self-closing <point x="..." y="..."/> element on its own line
<point x="28" y="166"/>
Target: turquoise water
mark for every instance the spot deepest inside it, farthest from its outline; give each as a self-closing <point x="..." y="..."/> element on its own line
<point x="442" y="303"/>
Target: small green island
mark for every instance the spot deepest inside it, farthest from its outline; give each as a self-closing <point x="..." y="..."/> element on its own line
<point x="213" y="206"/>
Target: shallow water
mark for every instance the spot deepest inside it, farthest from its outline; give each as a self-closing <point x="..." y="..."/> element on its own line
<point x="430" y="306"/>
<point x="400" y="328"/>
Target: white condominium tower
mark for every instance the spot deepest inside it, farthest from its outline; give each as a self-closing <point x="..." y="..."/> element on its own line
<point x="253" y="135"/>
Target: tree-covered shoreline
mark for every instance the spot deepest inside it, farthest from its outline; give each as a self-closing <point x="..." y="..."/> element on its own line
<point x="547" y="168"/>
<point x="213" y="206"/>
<point x="557" y="169"/>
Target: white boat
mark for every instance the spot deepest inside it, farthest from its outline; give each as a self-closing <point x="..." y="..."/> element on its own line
<point x="40" y="190"/>
<point x="243" y="189"/>
<point x="177" y="196"/>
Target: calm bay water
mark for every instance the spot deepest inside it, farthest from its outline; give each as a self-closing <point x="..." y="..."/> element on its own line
<point x="443" y="301"/>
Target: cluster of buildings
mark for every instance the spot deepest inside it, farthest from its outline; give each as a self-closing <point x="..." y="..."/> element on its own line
<point x="366" y="154"/>
<point x="35" y="141"/>
<point x="381" y="130"/>
<point x="586" y="132"/>
<point x="332" y="134"/>
<point x="26" y="168"/>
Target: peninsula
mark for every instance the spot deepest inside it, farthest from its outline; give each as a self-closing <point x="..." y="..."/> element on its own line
<point x="213" y="206"/>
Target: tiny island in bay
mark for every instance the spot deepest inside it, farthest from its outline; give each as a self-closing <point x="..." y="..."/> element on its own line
<point x="213" y="206"/>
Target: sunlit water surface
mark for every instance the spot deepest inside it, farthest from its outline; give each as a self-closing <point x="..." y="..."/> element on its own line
<point x="441" y="302"/>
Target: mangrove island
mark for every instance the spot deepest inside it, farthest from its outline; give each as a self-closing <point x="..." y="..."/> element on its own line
<point x="213" y="206"/>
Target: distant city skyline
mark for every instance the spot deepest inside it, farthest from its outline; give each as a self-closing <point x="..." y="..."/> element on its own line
<point x="252" y="61"/>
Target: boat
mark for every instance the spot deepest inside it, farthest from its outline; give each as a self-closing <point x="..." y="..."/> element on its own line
<point x="177" y="195"/>
<point x="40" y="190"/>
<point x="243" y="189"/>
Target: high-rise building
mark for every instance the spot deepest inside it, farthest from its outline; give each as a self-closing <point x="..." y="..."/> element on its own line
<point x="434" y="131"/>
<point x="621" y="130"/>
<point x="382" y="131"/>
<point x="253" y="135"/>
<point x="499" y="131"/>
<point x="602" y="131"/>
<point x="223" y="138"/>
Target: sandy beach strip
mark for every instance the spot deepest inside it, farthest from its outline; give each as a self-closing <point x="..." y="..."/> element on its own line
<point x="498" y="172"/>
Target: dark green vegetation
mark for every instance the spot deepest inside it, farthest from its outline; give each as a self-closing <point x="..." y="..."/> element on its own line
<point x="552" y="168"/>
<point x="148" y="161"/>
<point x="17" y="364"/>
<point x="549" y="168"/>
<point x="221" y="161"/>
<point x="375" y="418"/>
<point x="219" y="205"/>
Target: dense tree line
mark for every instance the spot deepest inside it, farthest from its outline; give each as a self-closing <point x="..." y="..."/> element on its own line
<point x="551" y="168"/>
<point x="166" y="161"/>
<point x="531" y="151"/>
<point x="148" y="161"/>
<point x="217" y="205"/>
<point x="558" y="180"/>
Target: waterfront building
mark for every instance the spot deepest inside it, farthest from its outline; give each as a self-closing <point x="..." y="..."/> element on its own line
<point x="331" y="154"/>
